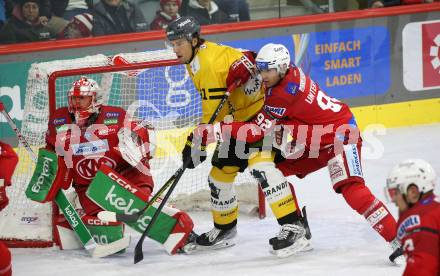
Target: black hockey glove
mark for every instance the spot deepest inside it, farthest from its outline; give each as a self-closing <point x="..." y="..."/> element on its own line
<point x="195" y="151"/>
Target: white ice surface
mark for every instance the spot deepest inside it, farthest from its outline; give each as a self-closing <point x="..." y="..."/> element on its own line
<point x="344" y="243"/>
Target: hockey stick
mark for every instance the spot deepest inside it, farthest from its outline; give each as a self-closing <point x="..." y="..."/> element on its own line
<point x="127" y="218"/>
<point x="138" y="254"/>
<point x="96" y="250"/>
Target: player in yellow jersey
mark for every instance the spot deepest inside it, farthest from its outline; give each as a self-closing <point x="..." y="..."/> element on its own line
<point x="213" y="68"/>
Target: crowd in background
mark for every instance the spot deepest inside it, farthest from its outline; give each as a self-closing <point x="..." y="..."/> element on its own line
<point x="39" y="20"/>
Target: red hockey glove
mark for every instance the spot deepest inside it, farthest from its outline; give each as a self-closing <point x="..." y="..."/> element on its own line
<point x="3" y="198"/>
<point x="241" y="70"/>
<point x="209" y="133"/>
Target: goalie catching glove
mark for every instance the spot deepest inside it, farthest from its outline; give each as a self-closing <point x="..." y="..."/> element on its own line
<point x="137" y="144"/>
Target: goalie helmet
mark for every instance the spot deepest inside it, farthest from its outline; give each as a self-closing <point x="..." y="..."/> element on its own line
<point x="411" y="172"/>
<point x="84" y="87"/>
<point x="183" y="27"/>
<point x="273" y="56"/>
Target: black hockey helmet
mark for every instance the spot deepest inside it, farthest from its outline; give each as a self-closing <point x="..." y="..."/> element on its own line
<point x="183" y="27"/>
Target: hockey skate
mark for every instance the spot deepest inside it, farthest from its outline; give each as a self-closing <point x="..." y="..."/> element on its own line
<point x="212" y="240"/>
<point x="308" y="234"/>
<point x="397" y="256"/>
<point x="290" y="240"/>
<point x="190" y="243"/>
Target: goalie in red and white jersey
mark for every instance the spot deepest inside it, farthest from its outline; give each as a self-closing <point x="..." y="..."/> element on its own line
<point x="87" y="135"/>
<point x="324" y="134"/>
<point x="8" y="162"/>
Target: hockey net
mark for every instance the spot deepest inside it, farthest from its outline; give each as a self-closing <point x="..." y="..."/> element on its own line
<point x="159" y="90"/>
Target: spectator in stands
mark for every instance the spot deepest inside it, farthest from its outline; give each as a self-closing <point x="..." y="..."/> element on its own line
<point x="2" y="13"/>
<point x="26" y="25"/>
<point x="206" y="12"/>
<point x="238" y="10"/>
<point x="382" y="3"/>
<point x="116" y="17"/>
<point x="76" y="7"/>
<point x="168" y="12"/>
<point x="80" y="26"/>
<point x="51" y="13"/>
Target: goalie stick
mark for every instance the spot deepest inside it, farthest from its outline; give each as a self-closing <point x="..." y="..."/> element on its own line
<point x="96" y="250"/>
<point x="138" y="254"/>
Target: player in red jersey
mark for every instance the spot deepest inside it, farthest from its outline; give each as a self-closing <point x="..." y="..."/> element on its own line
<point x="410" y="185"/>
<point x="324" y="134"/>
<point x="8" y="162"/>
<point x="87" y="134"/>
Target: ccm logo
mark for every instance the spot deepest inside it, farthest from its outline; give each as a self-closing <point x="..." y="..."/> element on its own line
<point x="122" y="182"/>
<point x="97" y="222"/>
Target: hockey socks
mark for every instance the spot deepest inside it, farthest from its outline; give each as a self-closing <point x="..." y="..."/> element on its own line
<point x="359" y="197"/>
<point x="112" y="192"/>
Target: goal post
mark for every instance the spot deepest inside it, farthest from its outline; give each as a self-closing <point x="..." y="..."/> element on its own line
<point x="151" y="85"/>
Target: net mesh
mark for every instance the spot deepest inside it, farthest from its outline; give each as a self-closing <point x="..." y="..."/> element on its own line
<point x="164" y="96"/>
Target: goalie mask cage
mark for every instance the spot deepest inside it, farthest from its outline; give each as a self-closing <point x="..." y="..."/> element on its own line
<point x="151" y="85"/>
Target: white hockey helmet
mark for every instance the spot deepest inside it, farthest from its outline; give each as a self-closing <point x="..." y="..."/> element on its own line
<point x="84" y="87"/>
<point x="411" y="172"/>
<point x="273" y="56"/>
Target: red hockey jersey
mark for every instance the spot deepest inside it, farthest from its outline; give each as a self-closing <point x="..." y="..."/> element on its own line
<point x="418" y="232"/>
<point x="89" y="148"/>
<point x="298" y="103"/>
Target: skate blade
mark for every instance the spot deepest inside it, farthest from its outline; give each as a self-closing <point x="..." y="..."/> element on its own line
<point x="194" y="247"/>
<point x="301" y="245"/>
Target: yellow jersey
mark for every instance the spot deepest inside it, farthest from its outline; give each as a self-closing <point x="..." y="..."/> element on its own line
<point x="209" y="70"/>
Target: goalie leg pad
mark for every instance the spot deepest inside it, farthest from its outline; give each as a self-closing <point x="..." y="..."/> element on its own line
<point x="178" y="237"/>
<point x="102" y="232"/>
<point x="5" y="260"/>
<point x="360" y="198"/>
<point x="277" y="191"/>
<point x="122" y="196"/>
<point x="64" y="235"/>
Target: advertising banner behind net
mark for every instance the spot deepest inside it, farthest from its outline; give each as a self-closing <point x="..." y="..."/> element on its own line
<point x="349" y="63"/>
